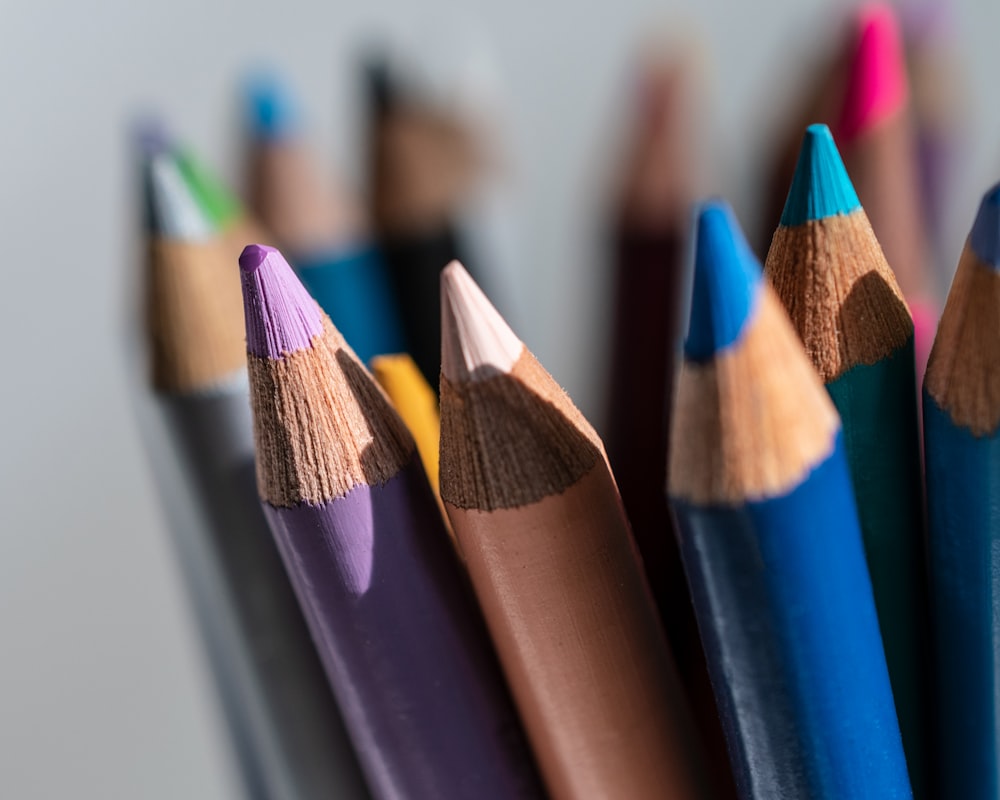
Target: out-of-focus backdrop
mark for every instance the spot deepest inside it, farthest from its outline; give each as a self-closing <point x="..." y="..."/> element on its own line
<point x="103" y="691"/>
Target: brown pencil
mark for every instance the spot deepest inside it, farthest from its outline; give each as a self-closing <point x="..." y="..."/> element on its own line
<point x="535" y="508"/>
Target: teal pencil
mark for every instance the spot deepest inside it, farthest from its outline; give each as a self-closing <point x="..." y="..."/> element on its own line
<point x="962" y="444"/>
<point x="829" y="272"/>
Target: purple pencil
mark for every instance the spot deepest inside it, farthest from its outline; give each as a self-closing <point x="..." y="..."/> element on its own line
<point x="401" y="639"/>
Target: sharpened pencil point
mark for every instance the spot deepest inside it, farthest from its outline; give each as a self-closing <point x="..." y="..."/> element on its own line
<point x="172" y="209"/>
<point x="820" y="187"/>
<point x="271" y="111"/>
<point x="985" y="236"/>
<point x="281" y="316"/>
<point x="151" y="136"/>
<point x="473" y="334"/>
<point x="726" y="279"/>
<point x="253" y="256"/>
<point x="877" y="84"/>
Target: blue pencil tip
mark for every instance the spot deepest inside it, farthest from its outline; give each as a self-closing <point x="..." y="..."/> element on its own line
<point x="271" y="111"/>
<point x="820" y="187"/>
<point x="985" y="236"/>
<point x="150" y="135"/>
<point x="727" y="276"/>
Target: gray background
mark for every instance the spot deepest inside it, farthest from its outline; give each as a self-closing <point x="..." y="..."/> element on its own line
<point x="103" y="692"/>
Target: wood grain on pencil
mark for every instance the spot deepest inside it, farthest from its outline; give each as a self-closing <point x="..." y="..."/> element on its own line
<point x="534" y="505"/>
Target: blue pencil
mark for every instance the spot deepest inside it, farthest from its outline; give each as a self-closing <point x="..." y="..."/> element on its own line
<point x="322" y="231"/>
<point x="772" y="546"/>
<point x="962" y="444"/>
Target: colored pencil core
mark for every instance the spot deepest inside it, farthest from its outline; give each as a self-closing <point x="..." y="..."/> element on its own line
<point x="271" y="110"/>
<point x="281" y="316"/>
<point x="820" y="187"/>
<point x="877" y="84"/>
<point x="726" y="276"/>
<point x="985" y="236"/>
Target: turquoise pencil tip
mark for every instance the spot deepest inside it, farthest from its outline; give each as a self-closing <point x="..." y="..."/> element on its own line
<point x="820" y="187"/>
<point x="271" y="111"/>
<point x="726" y="279"/>
<point x="985" y="236"/>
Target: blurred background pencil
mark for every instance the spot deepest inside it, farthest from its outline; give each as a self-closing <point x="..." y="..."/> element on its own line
<point x="828" y="270"/>
<point x="346" y="496"/>
<point x="322" y="229"/>
<point x="961" y="419"/>
<point x="423" y="164"/>
<point x="772" y="546"/>
<point x="651" y="274"/>
<point x="538" y="518"/>
<point x="282" y="715"/>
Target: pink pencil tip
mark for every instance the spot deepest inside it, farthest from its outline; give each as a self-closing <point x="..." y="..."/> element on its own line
<point x="877" y="85"/>
<point x="253" y="256"/>
<point x="281" y="316"/>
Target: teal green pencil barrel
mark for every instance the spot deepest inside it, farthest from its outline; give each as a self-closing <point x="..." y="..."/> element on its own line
<point x="833" y="279"/>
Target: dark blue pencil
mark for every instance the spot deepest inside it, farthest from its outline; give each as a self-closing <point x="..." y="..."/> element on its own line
<point x="772" y="546"/>
<point x="962" y="444"/>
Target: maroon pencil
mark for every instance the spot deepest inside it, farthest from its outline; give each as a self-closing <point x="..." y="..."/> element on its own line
<point x="401" y="638"/>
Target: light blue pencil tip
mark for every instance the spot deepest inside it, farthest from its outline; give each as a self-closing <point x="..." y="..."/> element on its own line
<point x="726" y="281"/>
<point x="271" y="109"/>
<point x="820" y="187"/>
<point x="985" y="236"/>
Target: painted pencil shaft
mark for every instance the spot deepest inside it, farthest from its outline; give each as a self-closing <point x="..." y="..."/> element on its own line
<point x="299" y="740"/>
<point x="353" y="287"/>
<point x="830" y="274"/>
<point x="540" y="524"/>
<point x="962" y="445"/>
<point x="772" y="546"/>
<point x="785" y="595"/>
<point x="363" y="540"/>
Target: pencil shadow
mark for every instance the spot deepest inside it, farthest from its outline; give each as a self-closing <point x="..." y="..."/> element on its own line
<point x="871" y="312"/>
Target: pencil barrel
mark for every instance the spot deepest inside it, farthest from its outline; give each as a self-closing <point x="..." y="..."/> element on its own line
<point x="783" y="598"/>
<point x="402" y="643"/>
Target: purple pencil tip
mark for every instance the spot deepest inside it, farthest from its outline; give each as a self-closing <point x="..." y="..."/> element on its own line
<point x="253" y="256"/>
<point x="281" y="316"/>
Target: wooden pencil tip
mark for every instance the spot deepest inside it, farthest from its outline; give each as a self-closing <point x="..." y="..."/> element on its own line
<point x="271" y="108"/>
<point x="473" y="334"/>
<point x="877" y="85"/>
<point x="281" y="316"/>
<point x="985" y="236"/>
<point x="820" y="187"/>
<point x="173" y="211"/>
<point x="726" y="281"/>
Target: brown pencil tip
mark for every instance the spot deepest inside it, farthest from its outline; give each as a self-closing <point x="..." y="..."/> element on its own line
<point x="473" y="334"/>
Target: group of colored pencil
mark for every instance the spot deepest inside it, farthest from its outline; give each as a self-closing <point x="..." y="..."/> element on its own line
<point x="433" y="580"/>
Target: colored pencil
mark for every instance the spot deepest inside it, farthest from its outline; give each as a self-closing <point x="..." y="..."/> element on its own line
<point x="282" y="715"/>
<point x="651" y="274"/>
<point x="829" y="273"/>
<point x="348" y="502"/>
<point x="422" y="164"/>
<point x="962" y="446"/>
<point x="875" y="132"/>
<point x="323" y="231"/>
<point x="772" y="545"/>
<point x="417" y="405"/>
<point x="534" y="506"/>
